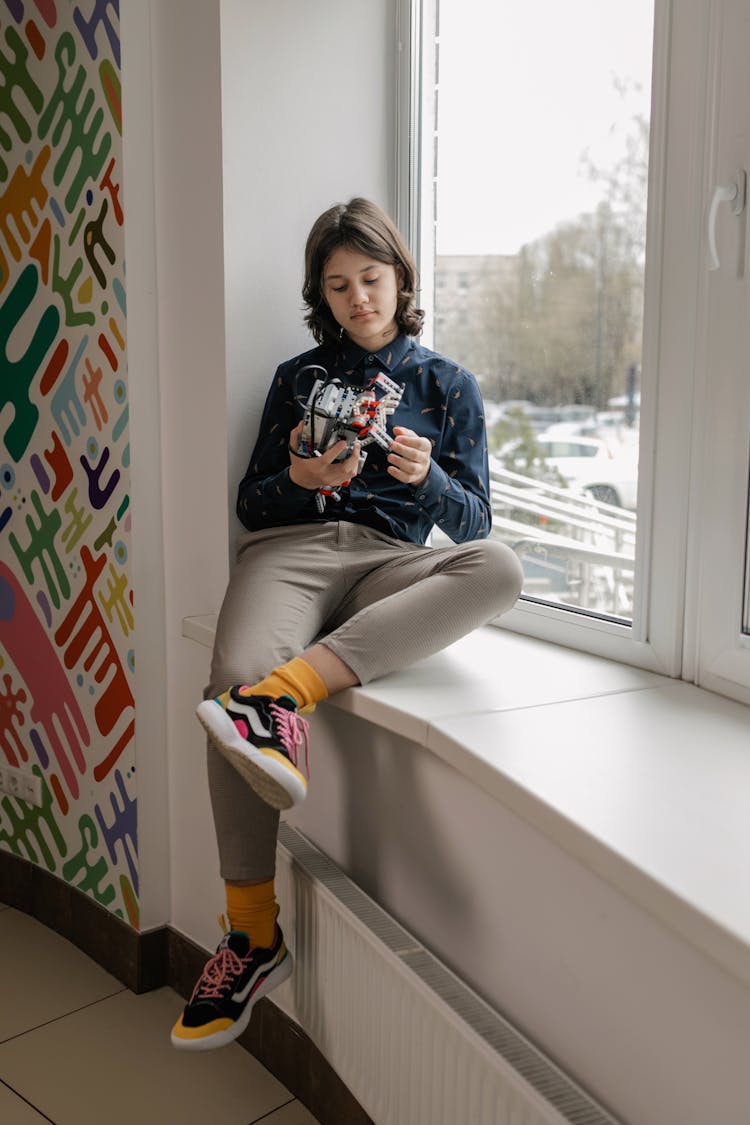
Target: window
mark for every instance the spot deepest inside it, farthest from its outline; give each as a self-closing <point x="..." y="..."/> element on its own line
<point x="563" y="163"/>
<point x="540" y="156"/>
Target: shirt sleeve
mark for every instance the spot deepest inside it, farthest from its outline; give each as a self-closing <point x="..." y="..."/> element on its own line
<point x="267" y="496"/>
<point x="456" y="492"/>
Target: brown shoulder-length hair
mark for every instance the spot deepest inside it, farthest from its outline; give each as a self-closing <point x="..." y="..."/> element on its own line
<point x="357" y="225"/>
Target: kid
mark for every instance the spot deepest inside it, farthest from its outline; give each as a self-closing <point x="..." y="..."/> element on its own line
<point x="327" y="595"/>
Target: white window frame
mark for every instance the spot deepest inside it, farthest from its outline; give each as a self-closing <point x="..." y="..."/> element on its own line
<point x="666" y="633"/>
<point x="717" y="652"/>
<point x="414" y="186"/>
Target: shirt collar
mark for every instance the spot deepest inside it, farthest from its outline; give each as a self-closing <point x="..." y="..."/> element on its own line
<point x="388" y="358"/>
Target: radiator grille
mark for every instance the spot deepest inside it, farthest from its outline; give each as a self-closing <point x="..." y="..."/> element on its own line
<point x="415" y="1045"/>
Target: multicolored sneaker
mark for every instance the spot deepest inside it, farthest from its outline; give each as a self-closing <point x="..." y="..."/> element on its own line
<point x="232" y="982"/>
<point x="261" y="736"/>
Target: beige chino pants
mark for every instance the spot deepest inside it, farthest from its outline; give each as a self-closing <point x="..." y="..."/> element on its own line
<point x="378" y="603"/>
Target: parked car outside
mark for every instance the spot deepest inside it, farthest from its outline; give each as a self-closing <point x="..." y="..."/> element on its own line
<point x="585" y="463"/>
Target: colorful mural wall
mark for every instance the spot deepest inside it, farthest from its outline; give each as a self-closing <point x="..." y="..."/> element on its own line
<point x="66" y="599"/>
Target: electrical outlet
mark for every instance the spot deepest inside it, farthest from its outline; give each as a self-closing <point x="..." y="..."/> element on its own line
<point x="23" y="784"/>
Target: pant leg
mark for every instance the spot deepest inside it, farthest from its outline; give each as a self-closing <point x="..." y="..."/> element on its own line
<point x="377" y="603"/>
<point x="280" y="592"/>
<point x="421" y="600"/>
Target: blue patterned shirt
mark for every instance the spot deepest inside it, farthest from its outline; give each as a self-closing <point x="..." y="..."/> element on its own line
<point x="441" y="401"/>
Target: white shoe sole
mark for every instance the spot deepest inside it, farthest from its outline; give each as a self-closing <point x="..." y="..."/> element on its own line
<point x="276" y="977"/>
<point x="280" y="785"/>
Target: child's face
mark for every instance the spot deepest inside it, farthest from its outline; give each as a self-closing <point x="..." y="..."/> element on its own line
<point x="361" y="293"/>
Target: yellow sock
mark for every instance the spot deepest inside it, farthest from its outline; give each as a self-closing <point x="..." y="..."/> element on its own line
<point x="253" y="909"/>
<point x="298" y="679"/>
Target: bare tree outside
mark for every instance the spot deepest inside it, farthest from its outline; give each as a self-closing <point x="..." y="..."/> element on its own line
<point x="539" y="273"/>
<point x="561" y="321"/>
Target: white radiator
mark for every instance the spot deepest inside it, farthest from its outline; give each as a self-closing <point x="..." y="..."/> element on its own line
<point x="413" y="1043"/>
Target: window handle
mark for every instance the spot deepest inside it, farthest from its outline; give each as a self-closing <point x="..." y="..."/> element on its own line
<point x="733" y="194"/>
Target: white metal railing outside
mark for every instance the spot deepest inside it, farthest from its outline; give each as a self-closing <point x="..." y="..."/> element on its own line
<point x="575" y="550"/>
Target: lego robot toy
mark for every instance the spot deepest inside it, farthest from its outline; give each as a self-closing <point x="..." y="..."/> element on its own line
<point x="335" y="412"/>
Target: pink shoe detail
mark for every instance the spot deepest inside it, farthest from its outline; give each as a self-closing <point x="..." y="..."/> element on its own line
<point x="294" y="734"/>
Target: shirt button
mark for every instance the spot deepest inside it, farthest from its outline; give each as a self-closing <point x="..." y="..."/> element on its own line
<point x="371" y="359"/>
<point x="423" y="496"/>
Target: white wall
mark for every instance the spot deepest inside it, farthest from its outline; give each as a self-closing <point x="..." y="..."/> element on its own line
<point x="145" y="470"/>
<point x="308" y="121"/>
<point x="265" y="114"/>
<point x="188" y="244"/>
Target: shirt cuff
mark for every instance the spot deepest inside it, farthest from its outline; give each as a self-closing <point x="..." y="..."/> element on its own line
<point x="430" y="492"/>
<point x="285" y="486"/>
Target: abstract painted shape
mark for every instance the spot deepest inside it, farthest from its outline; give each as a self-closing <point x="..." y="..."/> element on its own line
<point x="107" y="184"/>
<point x="106" y="347"/>
<point x="18" y="375"/>
<point x="116" y="601"/>
<point x="93" y="238"/>
<point x="84" y="631"/>
<point x="64" y="286"/>
<point x="80" y="520"/>
<point x="12" y="719"/>
<point x="112" y="90"/>
<point x="70" y="109"/>
<point x="40" y="249"/>
<point x="92" y="381"/>
<point x="85" y="869"/>
<point x="123" y="829"/>
<point x="60" y="796"/>
<point x="131" y="902"/>
<point x="99" y="494"/>
<point x="54" y="706"/>
<point x="58" y="461"/>
<point x="17" y="91"/>
<point x="66" y="598"/>
<point x="100" y="17"/>
<point x="36" y="40"/>
<point x="54" y="366"/>
<point x="41" y="553"/>
<point x="20" y="204"/>
<point x="66" y="407"/>
<point x="48" y="11"/>
<point x="40" y="472"/>
<point x="106" y="537"/>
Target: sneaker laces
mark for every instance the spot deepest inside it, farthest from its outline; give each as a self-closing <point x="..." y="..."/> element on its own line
<point x="293" y="733"/>
<point x="224" y="964"/>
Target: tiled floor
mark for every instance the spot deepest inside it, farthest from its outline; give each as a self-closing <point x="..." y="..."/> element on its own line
<point x="77" y="1048"/>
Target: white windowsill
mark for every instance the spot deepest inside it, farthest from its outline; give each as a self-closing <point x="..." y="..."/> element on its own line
<point x="643" y="778"/>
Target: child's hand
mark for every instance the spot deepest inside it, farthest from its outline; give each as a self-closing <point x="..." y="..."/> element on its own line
<point x="322" y="471"/>
<point x="410" y="456"/>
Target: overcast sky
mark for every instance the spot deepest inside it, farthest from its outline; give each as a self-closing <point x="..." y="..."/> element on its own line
<point x="526" y="87"/>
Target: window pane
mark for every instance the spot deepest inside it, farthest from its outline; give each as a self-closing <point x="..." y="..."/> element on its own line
<point x="542" y="126"/>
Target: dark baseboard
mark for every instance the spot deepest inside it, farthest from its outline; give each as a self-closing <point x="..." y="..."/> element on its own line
<point x="164" y="957"/>
<point x="138" y="960"/>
